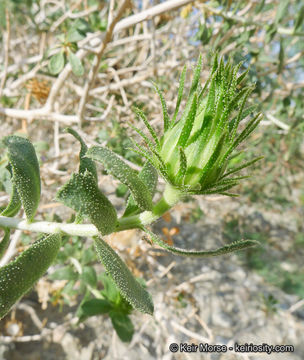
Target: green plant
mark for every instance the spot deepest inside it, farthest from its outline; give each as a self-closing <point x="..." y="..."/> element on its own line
<point x="68" y="44"/>
<point x="111" y="302"/>
<point x="269" y="304"/>
<point x="193" y="156"/>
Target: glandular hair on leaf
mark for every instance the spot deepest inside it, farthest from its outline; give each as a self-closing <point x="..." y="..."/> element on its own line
<point x="17" y="277"/>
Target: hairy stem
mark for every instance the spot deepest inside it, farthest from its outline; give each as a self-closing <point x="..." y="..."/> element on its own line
<point x="170" y="197"/>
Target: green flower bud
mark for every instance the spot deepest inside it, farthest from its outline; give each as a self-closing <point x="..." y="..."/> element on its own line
<point x="194" y="152"/>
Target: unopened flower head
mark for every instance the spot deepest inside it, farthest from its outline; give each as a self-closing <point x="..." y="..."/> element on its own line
<point x="195" y="150"/>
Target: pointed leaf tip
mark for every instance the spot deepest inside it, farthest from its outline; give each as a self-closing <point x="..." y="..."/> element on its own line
<point x="84" y="162"/>
<point x="235" y="246"/>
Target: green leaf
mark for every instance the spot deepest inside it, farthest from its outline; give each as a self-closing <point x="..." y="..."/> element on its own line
<point x="14" y="205"/>
<point x="195" y="88"/>
<point x="128" y="286"/>
<point x="5" y="241"/>
<point x="271" y="30"/>
<point x="64" y="273"/>
<point x="282" y="10"/>
<point x="243" y="166"/>
<point x="210" y="106"/>
<point x="196" y="76"/>
<point x="56" y="63"/>
<point x="76" y="64"/>
<point x="223" y="183"/>
<point x="189" y="121"/>
<point x="148" y="142"/>
<point x="237" y="245"/>
<point x="110" y="290"/>
<point x="180" y="94"/>
<point x="281" y="57"/>
<point x="241" y="116"/>
<point x="83" y="25"/>
<point x="78" y="30"/>
<point x="252" y="124"/>
<point x="242" y="76"/>
<point x="122" y="325"/>
<point x="240" y="112"/>
<point x="89" y="276"/>
<point x="17" y="277"/>
<point x="300" y="19"/>
<point x="183" y="165"/>
<point x="213" y="158"/>
<point x="143" y="117"/>
<point x="81" y="193"/>
<point x="166" y="118"/>
<point x="75" y="35"/>
<point x="120" y="170"/>
<point x="94" y="307"/>
<point x="121" y="190"/>
<point x="26" y="174"/>
<point x="155" y="161"/>
<point x="259" y="6"/>
<point x="149" y="176"/>
<point x="85" y="163"/>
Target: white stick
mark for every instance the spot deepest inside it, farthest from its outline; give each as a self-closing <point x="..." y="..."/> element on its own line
<point x="49" y="227"/>
<point x="150" y="13"/>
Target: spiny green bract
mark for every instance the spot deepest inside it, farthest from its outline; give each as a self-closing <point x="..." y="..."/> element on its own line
<point x="20" y="275"/>
<point x="194" y="152"/>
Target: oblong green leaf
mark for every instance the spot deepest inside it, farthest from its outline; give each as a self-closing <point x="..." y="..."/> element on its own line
<point x="89" y="276"/>
<point x="14" y="205"/>
<point x="148" y="175"/>
<point x="76" y="64"/>
<point x="17" y="277"/>
<point x="94" y="307"/>
<point x="5" y="241"/>
<point x="26" y="173"/>
<point x="122" y="325"/>
<point x="237" y="245"/>
<point x="84" y="162"/>
<point x="120" y="170"/>
<point x="110" y="291"/>
<point x="56" y="63"/>
<point x="82" y="194"/>
<point x="128" y="286"/>
<point x="75" y="35"/>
